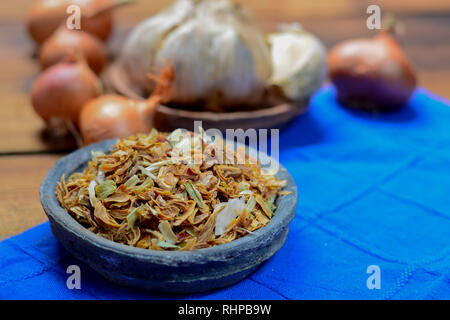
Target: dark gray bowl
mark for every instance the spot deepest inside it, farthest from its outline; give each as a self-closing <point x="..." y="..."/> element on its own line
<point x="178" y="272"/>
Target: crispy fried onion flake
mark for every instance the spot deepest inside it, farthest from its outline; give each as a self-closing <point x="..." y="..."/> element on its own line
<point x="144" y="194"/>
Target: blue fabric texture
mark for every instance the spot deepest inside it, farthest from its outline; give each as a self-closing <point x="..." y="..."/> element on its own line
<point x="374" y="189"/>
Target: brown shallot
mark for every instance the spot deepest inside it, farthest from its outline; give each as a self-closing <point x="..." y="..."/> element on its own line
<point x="65" y="43"/>
<point x="115" y="116"/>
<point x="372" y="73"/>
<point x="45" y="16"/>
<point x="61" y="91"/>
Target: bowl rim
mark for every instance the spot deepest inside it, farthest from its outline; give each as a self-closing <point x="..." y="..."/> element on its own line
<point x="275" y="110"/>
<point x="73" y="161"/>
<point x="116" y="71"/>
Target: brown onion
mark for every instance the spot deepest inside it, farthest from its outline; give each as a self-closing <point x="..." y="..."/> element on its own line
<point x="61" y="91"/>
<point x="64" y="44"/>
<point x="45" y="16"/>
<point x="372" y="74"/>
<point x="115" y="116"/>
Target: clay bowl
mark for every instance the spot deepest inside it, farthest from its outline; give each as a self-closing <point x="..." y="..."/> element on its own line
<point x="275" y="114"/>
<point x="163" y="271"/>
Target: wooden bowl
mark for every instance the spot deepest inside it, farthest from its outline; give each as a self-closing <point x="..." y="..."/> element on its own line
<point x="277" y="113"/>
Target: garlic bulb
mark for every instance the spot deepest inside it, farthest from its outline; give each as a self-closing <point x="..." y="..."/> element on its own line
<point x="218" y="52"/>
<point x="299" y="61"/>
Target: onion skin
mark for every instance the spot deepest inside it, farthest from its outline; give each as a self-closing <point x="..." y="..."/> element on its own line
<point x="62" y="90"/>
<point x="372" y="74"/>
<point x="114" y="116"/>
<point x="65" y="44"/>
<point x="45" y="16"/>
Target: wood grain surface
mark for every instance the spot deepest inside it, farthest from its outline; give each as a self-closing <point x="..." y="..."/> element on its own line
<point x="25" y="154"/>
<point x="20" y="207"/>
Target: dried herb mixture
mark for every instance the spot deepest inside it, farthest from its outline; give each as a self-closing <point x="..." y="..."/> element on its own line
<point x="156" y="192"/>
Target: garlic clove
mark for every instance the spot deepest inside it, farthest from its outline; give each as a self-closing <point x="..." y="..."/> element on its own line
<point x="299" y="62"/>
<point x="139" y="52"/>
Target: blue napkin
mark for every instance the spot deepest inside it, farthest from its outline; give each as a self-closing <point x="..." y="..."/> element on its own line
<point x="373" y="219"/>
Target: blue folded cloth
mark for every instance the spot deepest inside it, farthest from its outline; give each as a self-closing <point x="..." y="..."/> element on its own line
<point x="374" y="190"/>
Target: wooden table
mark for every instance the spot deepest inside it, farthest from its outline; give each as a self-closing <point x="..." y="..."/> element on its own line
<point x="25" y="156"/>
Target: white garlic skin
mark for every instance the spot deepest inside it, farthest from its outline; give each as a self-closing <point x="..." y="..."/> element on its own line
<point x="218" y="52"/>
<point x="299" y="62"/>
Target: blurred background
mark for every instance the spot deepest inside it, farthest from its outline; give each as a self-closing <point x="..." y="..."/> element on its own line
<point x="25" y="158"/>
